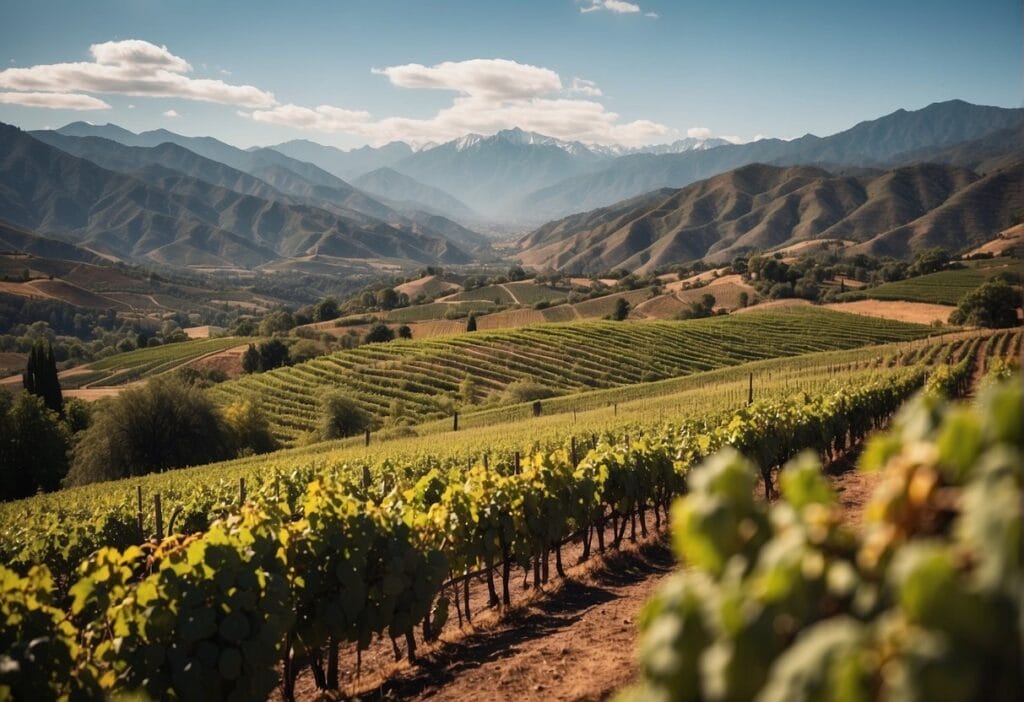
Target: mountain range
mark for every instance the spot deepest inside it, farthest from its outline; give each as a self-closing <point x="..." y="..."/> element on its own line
<point x="158" y="214"/>
<point x="760" y="207"/>
<point x="946" y="174"/>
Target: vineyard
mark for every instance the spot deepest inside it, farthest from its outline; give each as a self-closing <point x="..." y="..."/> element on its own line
<point x="318" y="553"/>
<point x="61" y="528"/>
<point x="945" y="287"/>
<point x="421" y="378"/>
<point x="145" y="363"/>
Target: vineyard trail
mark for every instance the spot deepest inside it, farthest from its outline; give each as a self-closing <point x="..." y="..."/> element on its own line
<point x="573" y="641"/>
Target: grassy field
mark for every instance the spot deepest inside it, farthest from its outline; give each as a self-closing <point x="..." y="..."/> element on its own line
<point x="420" y="380"/>
<point x="944" y="287"/>
<point x="145" y="363"/>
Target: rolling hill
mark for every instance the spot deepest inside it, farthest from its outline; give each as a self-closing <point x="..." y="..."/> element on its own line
<point x="759" y="207"/>
<point x="264" y="173"/>
<point x="184" y="221"/>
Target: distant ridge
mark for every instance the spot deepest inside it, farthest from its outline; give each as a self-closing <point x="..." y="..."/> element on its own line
<point x="760" y="207"/>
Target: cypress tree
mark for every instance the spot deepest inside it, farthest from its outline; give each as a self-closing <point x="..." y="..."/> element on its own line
<point x="471" y="323"/>
<point x="40" y="376"/>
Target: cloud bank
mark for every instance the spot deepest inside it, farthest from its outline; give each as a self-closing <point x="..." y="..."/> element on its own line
<point x="54" y="101"/>
<point x="129" y="67"/>
<point x="491" y="95"/>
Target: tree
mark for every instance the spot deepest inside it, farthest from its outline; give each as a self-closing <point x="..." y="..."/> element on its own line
<point x="326" y="310"/>
<point x="744" y="299"/>
<point x="251" y="360"/>
<point x="405" y="332"/>
<point x="621" y="309"/>
<point x="468" y="390"/>
<point x="378" y="333"/>
<point x="280" y="321"/>
<point x="40" y="376"/>
<point x="993" y="304"/>
<point x="164" y="424"/>
<point x="471" y="323"/>
<point x="250" y="430"/>
<point x="387" y="299"/>
<point x="273" y="354"/>
<point x="341" y="416"/>
<point x="33" y="446"/>
<point x="930" y="260"/>
<point x="304" y="350"/>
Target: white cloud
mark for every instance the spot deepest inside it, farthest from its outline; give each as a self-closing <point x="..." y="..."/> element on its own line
<point x="132" y="67"/>
<point x="617" y="6"/>
<point x="698" y="133"/>
<point x="497" y="79"/>
<point x="584" y="87"/>
<point x="54" y="101"/>
<point x="494" y="94"/>
<point x="170" y="113"/>
<point x="131" y="107"/>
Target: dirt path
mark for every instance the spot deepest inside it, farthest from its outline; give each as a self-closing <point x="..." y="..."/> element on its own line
<point x="576" y="643"/>
<point x="510" y="293"/>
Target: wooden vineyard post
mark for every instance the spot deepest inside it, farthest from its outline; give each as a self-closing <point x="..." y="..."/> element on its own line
<point x="138" y="492"/>
<point x="159" y="516"/>
<point x="486" y="467"/>
<point x="574" y="452"/>
<point x="515" y="459"/>
<point x="367" y="437"/>
<point x="455" y="422"/>
<point x="241" y="491"/>
<point x="750" y="390"/>
<point x="366" y="476"/>
<point x="615" y="409"/>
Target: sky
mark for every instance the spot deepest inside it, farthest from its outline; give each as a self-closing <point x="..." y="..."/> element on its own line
<point x="355" y="72"/>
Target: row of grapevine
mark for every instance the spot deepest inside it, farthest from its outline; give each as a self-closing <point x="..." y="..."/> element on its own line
<point x="782" y="602"/>
<point x="424" y="376"/>
<point x="61" y="529"/>
<point x="215" y="615"/>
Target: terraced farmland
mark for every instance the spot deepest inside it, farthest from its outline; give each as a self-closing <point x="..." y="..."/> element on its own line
<point x="424" y="376"/>
<point x="144" y="363"/>
<point x="944" y="287"/>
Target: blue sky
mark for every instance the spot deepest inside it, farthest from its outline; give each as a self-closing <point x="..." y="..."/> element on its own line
<point x="358" y="71"/>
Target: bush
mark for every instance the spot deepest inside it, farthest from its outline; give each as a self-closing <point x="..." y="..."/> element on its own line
<point x="527" y="391"/>
<point x="378" y="333"/>
<point x="250" y="430"/>
<point x="341" y="416"/>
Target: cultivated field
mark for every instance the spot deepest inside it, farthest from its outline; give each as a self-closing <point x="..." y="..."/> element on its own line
<point x="420" y="379"/>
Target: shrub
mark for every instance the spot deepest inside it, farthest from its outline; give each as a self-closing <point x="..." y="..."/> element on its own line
<point x="378" y="333"/>
<point x="527" y="391"/>
<point x="341" y="416"/>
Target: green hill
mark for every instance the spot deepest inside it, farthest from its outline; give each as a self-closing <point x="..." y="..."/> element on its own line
<point x="419" y="379"/>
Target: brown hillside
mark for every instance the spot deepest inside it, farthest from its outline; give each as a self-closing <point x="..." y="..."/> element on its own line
<point x="759" y="207"/>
